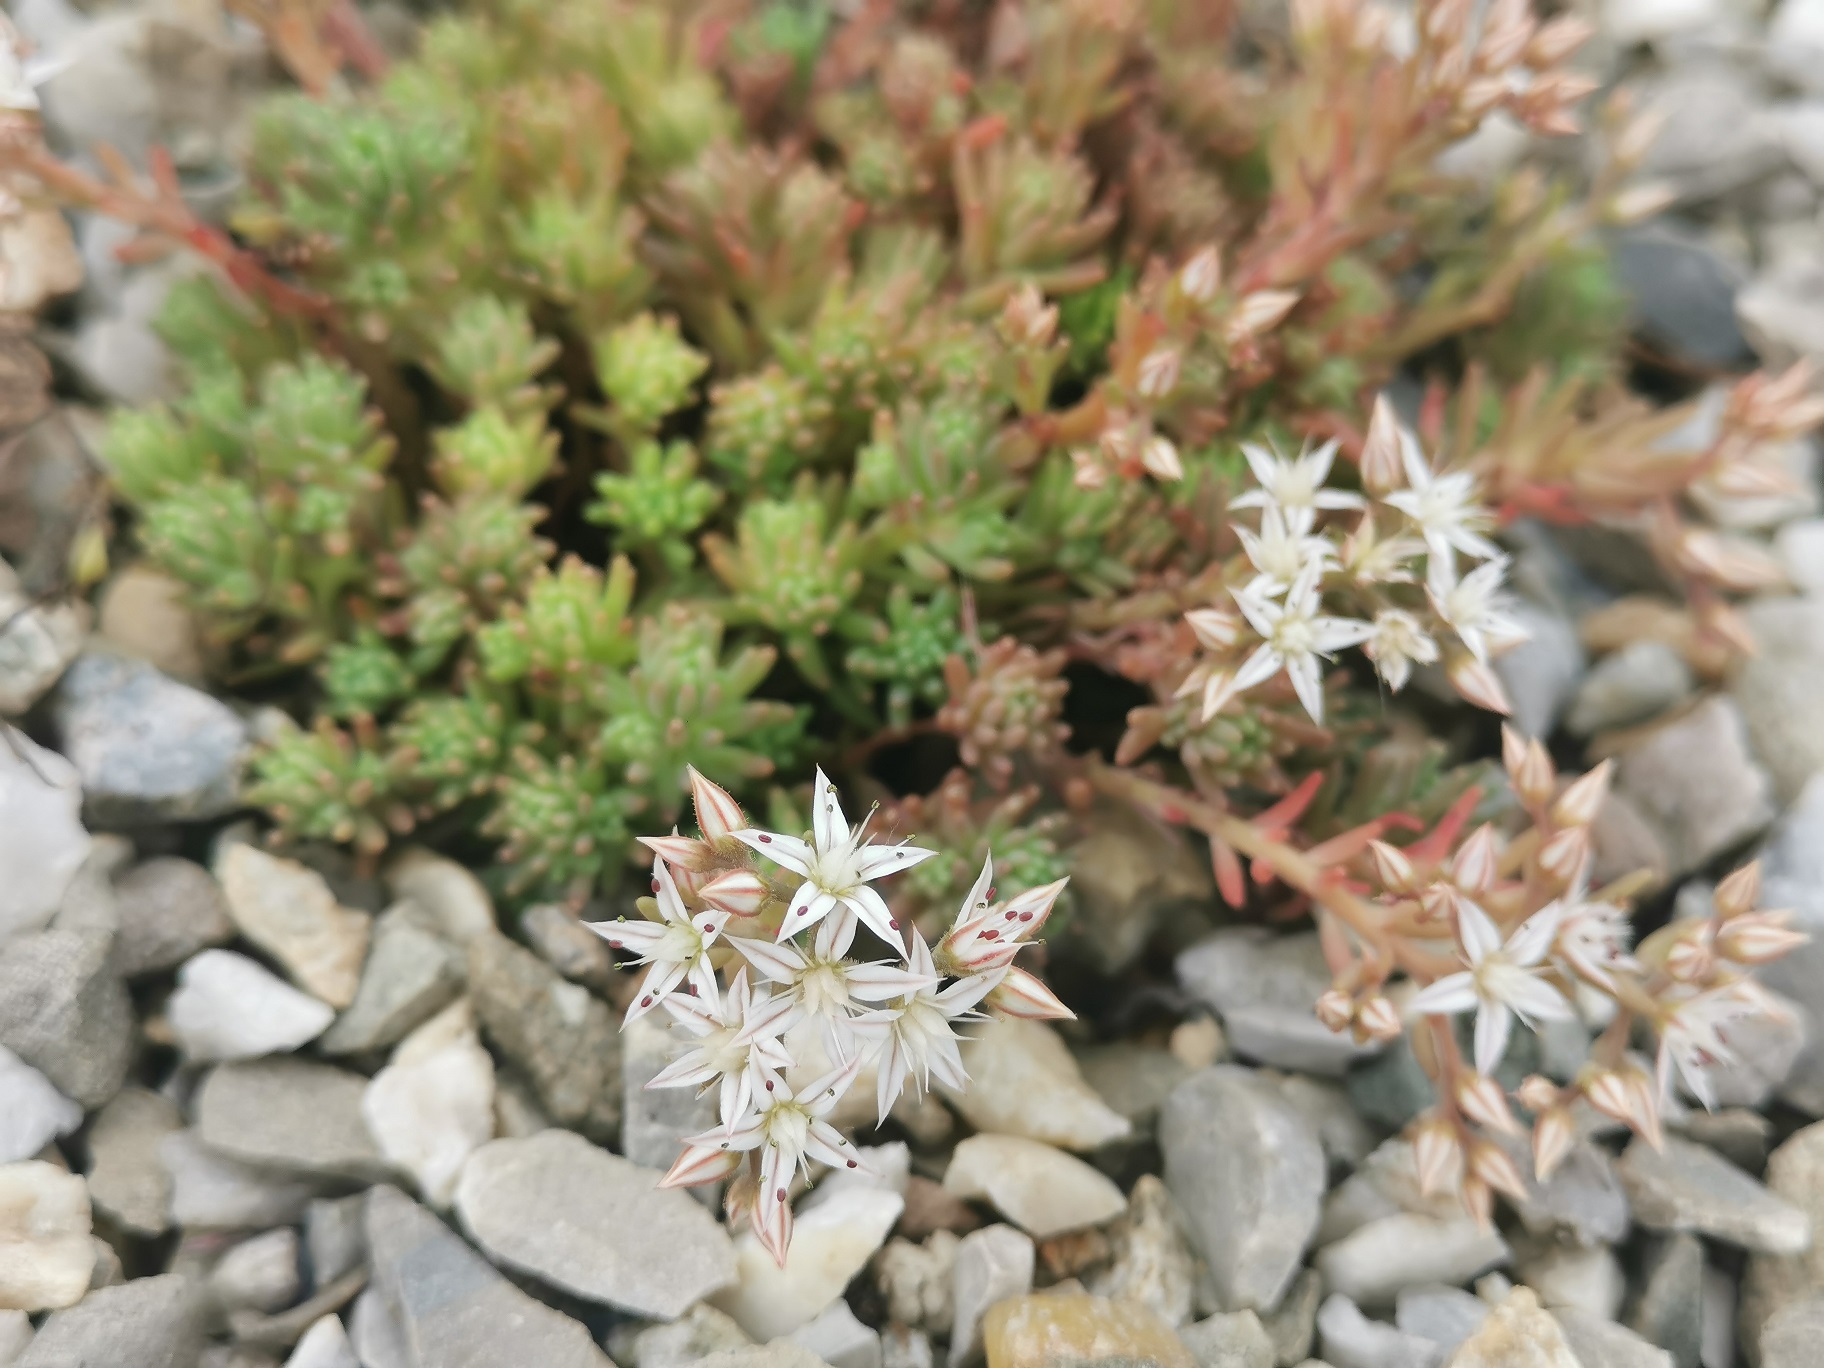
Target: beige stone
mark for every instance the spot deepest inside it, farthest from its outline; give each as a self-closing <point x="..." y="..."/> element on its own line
<point x="1519" y="1333"/>
<point x="1049" y="1330"/>
<point x="287" y="910"/>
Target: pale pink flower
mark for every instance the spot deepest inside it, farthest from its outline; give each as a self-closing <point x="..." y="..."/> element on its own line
<point x="820" y="983"/>
<point x="676" y="946"/>
<point x="1502" y="980"/>
<point x="735" y="1035"/>
<point x="1442" y="508"/>
<point x="915" y="1035"/>
<point x="1294" y="487"/>
<point x="1296" y="637"/>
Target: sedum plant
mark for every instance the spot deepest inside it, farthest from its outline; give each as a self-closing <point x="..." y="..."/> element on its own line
<point x="989" y="403"/>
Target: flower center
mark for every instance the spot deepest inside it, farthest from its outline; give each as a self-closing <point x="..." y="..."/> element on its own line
<point x="837" y="870"/>
<point x="824" y="987"/>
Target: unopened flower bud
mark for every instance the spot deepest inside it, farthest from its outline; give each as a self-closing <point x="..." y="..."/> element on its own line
<point x="1491" y="1164"/>
<point x="1214" y="629"/>
<point x="1554" y="1132"/>
<point x="1480" y="1098"/>
<point x="1758" y="938"/>
<point x="740" y="893"/>
<point x="1529" y="767"/>
<point x="1158" y="372"/>
<point x="1583" y="797"/>
<point x="1690" y="959"/>
<point x="1625" y="1095"/>
<point x="1379" y="1020"/>
<point x="1557" y="40"/>
<point x="1025" y="996"/>
<point x="1393" y="871"/>
<point x="1259" y="312"/>
<point x="1565" y="854"/>
<point x="1160" y="457"/>
<point x="1026" y="320"/>
<point x="1537" y="1093"/>
<point x="1473" y="868"/>
<point x="1479" y="1202"/>
<point x="1336" y="1009"/>
<point x="1737" y="894"/>
<point x="1201" y="276"/>
<point x="1438" y="901"/>
<point x="1477" y="683"/>
<point x="1381" y="466"/>
<point x="718" y="814"/>
<point x="1437" y="1154"/>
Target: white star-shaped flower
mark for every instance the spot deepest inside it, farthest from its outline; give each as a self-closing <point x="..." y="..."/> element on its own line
<point x="1475" y="607"/>
<point x="1502" y="981"/>
<point x="1694" y="1036"/>
<point x="1398" y="643"/>
<point x="1593" y="937"/>
<point x="676" y="946"/>
<point x="837" y="865"/>
<point x="1294" y="486"/>
<point x="735" y="1035"/>
<point x="1280" y="554"/>
<point x="915" y="1035"/>
<point x="1442" y="507"/>
<point x="820" y="984"/>
<point x="1295" y="637"/>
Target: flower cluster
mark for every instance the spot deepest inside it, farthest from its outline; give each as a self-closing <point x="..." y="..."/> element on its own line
<point x="795" y="992"/>
<point x="1508" y="929"/>
<point x="1300" y="562"/>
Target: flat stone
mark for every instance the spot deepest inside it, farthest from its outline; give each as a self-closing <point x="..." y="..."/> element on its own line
<point x="290" y="1115"/>
<point x="1634" y="685"/>
<point x="64" y="1012"/>
<point x="32" y="1112"/>
<point x="1583" y="1277"/>
<point x="1346" y="1138"/>
<point x="1444" y="1315"/>
<point x="654" y="1121"/>
<point x="230" y="1007"/>
<point x="1687" y="1187"/>
<point x="992" y="1265"/>
<point x="1681" y="293"/>
<point x="694" y="1336"/>
<point x="15" y="1335"/>
<point x="1133" y="1080"/>
<point x="1600" y="1343"/>
<point x="168" y="910"/>
<point x="1263" y="985"/>
<point x="46" y="1253"/>
<point x="128" y="1181"/>
<point x="433" y="1105"/>
<point x="1773" y="688"/>
<point x="1711" y="141"/>
<point x="1518" y="1333"/>
<point x="1791" y="1336"/>
<point x="1795" y="1173"/>
<point x="149" y="1323"/>
<point x="42" y="841"/>
<point x="1060" y="1330"/>
<point x="333" y="1237"/>
<point x="41" y="638"/>
<point x="325" y="1345"/>
<point x="1372" y="1264"/>
<point x="287" y="910"/>
<point x="568" y="946"/>
<point x="1042" y="1190"/>
<point x="840" y="1339"/>
<point x="260" y="1273"/>
<point x="453" y="1309"/>
<point x="1542" y="672"/>
<point x="145" y="613"/>
<point x="212" y="1192"/>
<point x="1292" y="1325"/>
<point x="1695" y="781"/>
<point x="592" y="1224"/>
<point x="564" y="1040"/>
<point x="149" y="749"/>
<point x="1249" y="1175"/>
<point x="411" y="973"/>
<point x="1349" y="1339"/>
<point x="1668" y="1310"/>
<point x="377" y="1332"/>
<point x="1153" y="1263"/>
<point x="1023" y="1081"/>
<point x="830" y="1245"/>
<point x="1229" y="1340"/>
<point x="454" y="897"/>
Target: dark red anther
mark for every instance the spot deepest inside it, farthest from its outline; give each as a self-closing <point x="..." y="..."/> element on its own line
<point x="853" y="1164"/>
<point x="765" y="839"/>
<point x="769" y="1085"/>
<point x="893" y="924"/>
<point x="646" y="1001"/>
<point x="655" y="885"/>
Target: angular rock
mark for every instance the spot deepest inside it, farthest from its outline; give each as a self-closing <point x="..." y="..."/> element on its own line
<point x="830" y="1245"/>
<point x="1292" y="1325"/>
<point x="149" y="1323"/>
<point x="1444" y="1315"/>
<point x="128" y="1180"/>
<point x="452" y="1308"/>
<point x="433" y="1104"/>
<point x="210" y="1191"/>
<point x="1585" y="1278"/>
<point x="1372" y="1264"/>
<point x="40" y="641"/>
<point x="654" y="1121"/>
<point x="452" y="895"/>
<point x="1152" y="1263"/>
<point x="325" y="1345"/>
<point x="333" y="1238"/>
<point x="565" y="1040"/>
<point x="1600" y="1343"/>
<point x="411" y="973"/>
<point x="1711" y="141"/>
<point x="1042" y="1190"/>
<point x="1232" y="1340"/>
<point x="229" y="1007"/>
<point x="15" y="1335"/>
<point x="1695" y="781"/>
<point x="1541" y="673"/>
<point x="1773" y="688"/>
<point x="260" y="1273"/>
<point x="1635" y="684"/>
<point x="1687" y="1187"/>
<point x="42" y="841"/>
<point x="1583" y="1200"/>
<point x="169" y="910"/>
<point x="149" y="749"/>
<point x="38" y="259"/>
<point x="568" y="946"/>
<point x="1023" y="1081"/>
<point x="1134" y="1080"/>
<point x="145" y="613"/>
<point x="1669" y="1310"/>
<point x="592" y="1224"/>
<point x="699" y="1333"/>
<point x="840" y="1339"/>
<point x="1792" y="1336"/>
<point x="32" y="1112"/>
<point x="992" y="1265"/>
<point x="1795" y="1173"/>
<point x="1349" y="1339"/>
<point x="377" y="1332"/>
<point x="64" y="1012"/>
<point x="1518" y="1333"/>
<point x="291" y="1116"/>
<point x="1057" y="1330"/>
<point x="1249" y="1174"/>
<point x="288" y="910"/>
<point x="1681" y="291"/>
<point x="46" y="1253"/>
<point x="1263" y="985"/>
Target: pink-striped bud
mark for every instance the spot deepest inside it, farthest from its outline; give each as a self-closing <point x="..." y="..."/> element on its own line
<point x="1259" y="312"/>
<point x="1335" y="1009"/>
<point x="700" y="1164"/>
<point x="1529" y="767"/>
<point x="1557" y="40"/>
<point x="1474" y="866"/>
<point x="683" y="853"/>
<point x="718" y="814"/>
<point x="1393" y="871"/>
<point x="1554" y="1132"/>
<point x="1379" y="1020"/>
<point x="1690" y="958"/>
<point x="1215" y="629"/>
<point x="1627" y="1096"/>
<point x="1758" y="937"/>
<point x="1479" y="1202"/>
<point x="740" y="893"/>
<point x="1491" y="1164"/>
<point x="1437" y="1154"/>
<point x="1438" y="902"/>
<point x="1478" y="684"/>
<point x="1583" y="797"/>
<point x="1382" y="469"/>
<point x="1737" y="894"/>
<point x="1480" y="1098"/>
<point x="1023" y="995"/>
<point x="1201" y="276"/>
<point x="1563" y="856"/>
<point x="1537" y="1093"/>
<point x="1160" y="457"/>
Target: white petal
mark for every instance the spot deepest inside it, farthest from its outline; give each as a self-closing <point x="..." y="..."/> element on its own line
<point x="778" y="962"/>
<point x="1479" y="936"/>
<point x="878" y="982"/>
<point x="865" y="903"/>
<point x="1537" y="1000"/>
<point x="781" y="849"/>
<point x="636" y="935"/>
<point x="874" y="861"/>
<point x="1534" y="936"/>
<point x="809" y="906"/>
<point x="1257" y="668"/>
<point x="1308" y="683"/>
<point x="828" y="825"/>
<point x="1494" y="1024"/>
<point x="1450" y="994"/>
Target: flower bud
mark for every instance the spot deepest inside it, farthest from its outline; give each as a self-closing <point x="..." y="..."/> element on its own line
<point x="1583" y="797"/>
<point x="718" y="814"/>
<point x="1479" y="1202"/>
<point x="1158" y="372"/>
<point x="1380" y="464"/>
<point x="1480" y="1098"/>
<point x="1529" y="767"/>
<point x="1478" y="684"/>
<point x="1335" y="1009"/>
<point x="1690" y="958"/>
<point x="1554" y="1132"/>
<point x="1438" y="902"/>
<point x="1758" y="938"/>
<point x="1557" y="40"/>
<point x="1473" y="868"/>
<point x="699" y="1164"/>
<point x="1565" y="854"/>
<point x="1626" y="1095"/>
<point x="1437" y="1154"/>
<point x="1537" y="1093"/>
<point x="1393" y="871"/>
<point x="1379" y="1020"/>
<point x="1737" y="894"/>
<point x="1214" y="628"/>
<point x="1201" y="276"/>
<point x="1160" y="457"/>
<point x="1257" y="313"/>
<point x="1024" y="996"/>
<point x="1491" y="1164"/>
<point x="740" y="893"/>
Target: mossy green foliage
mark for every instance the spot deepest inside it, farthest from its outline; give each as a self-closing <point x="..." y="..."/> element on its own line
<point x="664" y="409"/>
